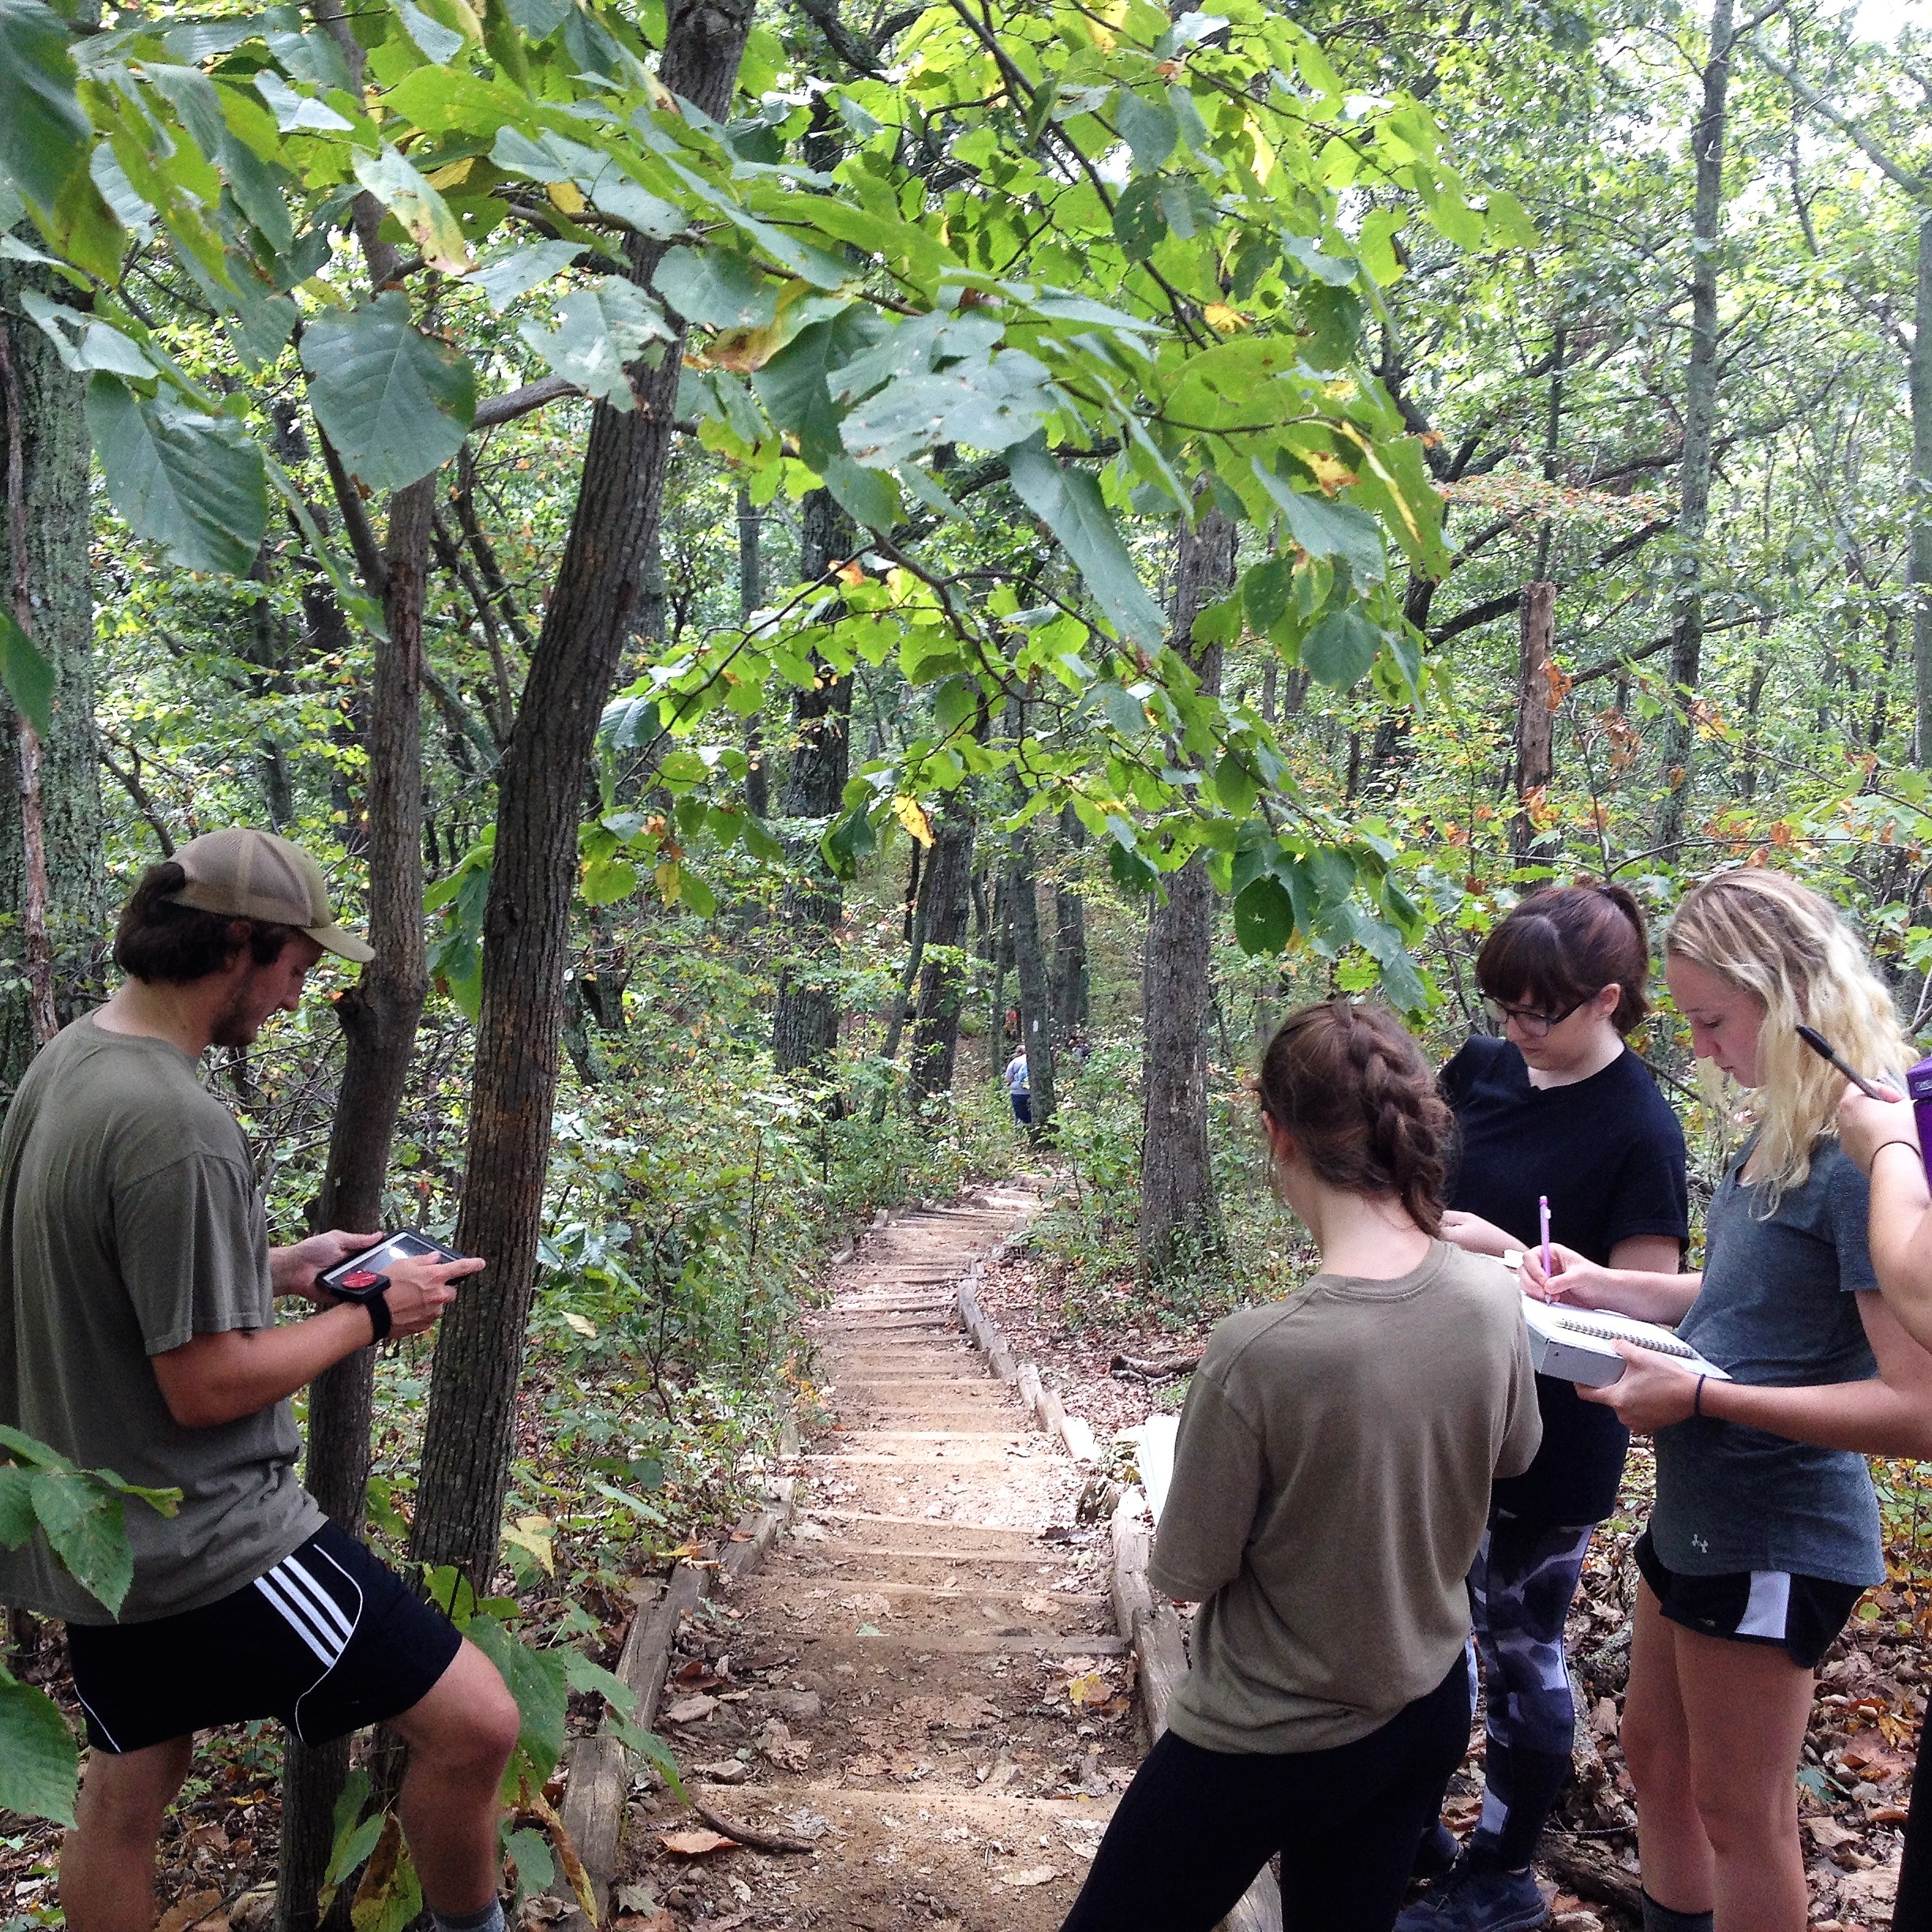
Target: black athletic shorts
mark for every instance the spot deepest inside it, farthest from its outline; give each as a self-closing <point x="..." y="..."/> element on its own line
<point x="1803" y="1613"/>
<point x="329" y="1641"/>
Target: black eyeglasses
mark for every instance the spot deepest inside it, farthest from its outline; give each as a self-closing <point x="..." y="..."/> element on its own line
<point x="1531" y="1025"/>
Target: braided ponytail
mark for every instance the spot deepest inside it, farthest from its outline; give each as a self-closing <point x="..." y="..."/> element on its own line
<point x="1352" y="1087"/>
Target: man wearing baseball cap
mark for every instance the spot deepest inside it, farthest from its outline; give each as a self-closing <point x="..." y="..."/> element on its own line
<point x="138" y="1334"/>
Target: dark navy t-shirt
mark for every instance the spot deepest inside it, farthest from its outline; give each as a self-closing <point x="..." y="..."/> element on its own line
<point x="1608" y="1152"/>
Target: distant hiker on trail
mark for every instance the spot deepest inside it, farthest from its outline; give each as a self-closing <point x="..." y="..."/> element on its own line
<point x="1558" y="1110"/>
<point x="138" y="1334"/>
<point x="1331" y="1485"/>
<point x="1764" y="1533"/>
<point x="1018" y="1085"/>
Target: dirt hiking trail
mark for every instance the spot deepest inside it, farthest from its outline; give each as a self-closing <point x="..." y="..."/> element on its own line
<point x="922" y="1683"/>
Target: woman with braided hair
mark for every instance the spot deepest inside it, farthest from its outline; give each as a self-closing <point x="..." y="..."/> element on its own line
<point x="1557" y="1108"/>
<point x="1330" y="1483"/>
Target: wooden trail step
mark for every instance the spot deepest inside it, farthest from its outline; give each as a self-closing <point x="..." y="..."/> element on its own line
<point x="993" y="1643"/>
<point x="1045" y="1558"/>
<point x="928" y="1522"/>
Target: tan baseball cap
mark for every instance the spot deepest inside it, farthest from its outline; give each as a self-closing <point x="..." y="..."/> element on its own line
<point x="243" y="874"/>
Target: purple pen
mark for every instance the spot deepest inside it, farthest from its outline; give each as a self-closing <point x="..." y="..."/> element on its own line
<point x="1543" y="1215"/>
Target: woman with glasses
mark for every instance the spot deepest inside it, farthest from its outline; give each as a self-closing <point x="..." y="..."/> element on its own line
<point x="1558" y="1108"/>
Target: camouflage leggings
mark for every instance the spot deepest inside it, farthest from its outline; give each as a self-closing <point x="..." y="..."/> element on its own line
<point x="1520" y="1589"/>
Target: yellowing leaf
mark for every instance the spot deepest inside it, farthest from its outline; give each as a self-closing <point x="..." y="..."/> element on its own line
<point x="535" y="1535"/>
<point x="417" y="206"/>
<point x="455" y="175"/>
<point x="912" y="815"/>
<point x="1223" y="319"/>
<point x="1090" y="1687"/>
<point x="566" y="197"/>
<point x="1330" y="472"/>
<point x="741" y="350"/>
<point x="586" y="1329"/>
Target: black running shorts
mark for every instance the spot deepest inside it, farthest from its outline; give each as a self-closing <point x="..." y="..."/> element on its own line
<point x="329" y="1641"/>
<point x="1803" y="1613"/>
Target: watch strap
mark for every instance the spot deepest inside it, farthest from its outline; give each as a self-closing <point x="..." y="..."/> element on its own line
<point x="380" y="1318"/>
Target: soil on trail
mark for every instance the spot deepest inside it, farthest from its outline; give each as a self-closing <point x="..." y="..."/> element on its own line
<point x="923" y="1682"/>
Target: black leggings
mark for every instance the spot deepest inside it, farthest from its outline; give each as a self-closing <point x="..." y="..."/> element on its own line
<point x="1195" y="1825"/>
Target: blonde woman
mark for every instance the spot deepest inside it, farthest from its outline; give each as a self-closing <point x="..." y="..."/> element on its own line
<point x="1765" y="1532"/>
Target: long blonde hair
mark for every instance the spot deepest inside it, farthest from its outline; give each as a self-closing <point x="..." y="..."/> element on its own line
<point x="1765" y="933"/>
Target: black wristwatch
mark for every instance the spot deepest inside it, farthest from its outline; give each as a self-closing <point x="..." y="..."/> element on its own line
<point x="371" y="1290"/>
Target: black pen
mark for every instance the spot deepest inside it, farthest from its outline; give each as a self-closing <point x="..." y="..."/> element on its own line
<point x="1823" y="1048"/>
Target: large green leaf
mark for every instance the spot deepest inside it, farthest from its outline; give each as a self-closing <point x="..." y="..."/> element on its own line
<point x="600" y="331"/>
<point x="45" y="135"/>
<point x="988" y="405"/>
<point x="191" y="483"/>
<point x="1070" y="504"/>
<point x="17" y="1520"/>
<point x="1329" y="530"/>
<point x="396" y="405"/>
<point x="1338" y="651"/>
<point x="794" y="385"/>
<point x="716" y="289"/>
<point x="537" y="1680"/>
<point x="1264" y="916"/>
<point x="87" y="1529"/>
<point x="29" y="681"/>
<point x="40" y="1765"/>
<point x="517" y="270"/>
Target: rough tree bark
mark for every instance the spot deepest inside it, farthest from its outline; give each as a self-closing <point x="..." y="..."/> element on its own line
<point x="1678" y="742"/>
<point x="378" y="1016"/>
<point x="1070" y="983"/>
<point x="805" y="1022"/>
<point x="592" y="611"/>
<point x="1178" y="1215"/>
<point x="946" y="896"/>
<point x="45" y="446"/>
<point x="1535" y="716"/>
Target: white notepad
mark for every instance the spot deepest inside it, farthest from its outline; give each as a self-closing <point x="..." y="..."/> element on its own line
<point x="1579" y="1344"/>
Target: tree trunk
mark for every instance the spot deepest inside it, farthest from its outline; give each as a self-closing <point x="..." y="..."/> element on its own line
<point x="1679" y="739"/>
<point x="1030" y="963"/>
<point x="757" y="770"/>
<point x="592" y="610"/>
<point x="378" y="1016"/>
<point x="1918" y="499"/>
<point x="1070" y="986"/>
<point x="1178" y="1217"/>
<point x="805" y="1022"/>
<point x="948" y="896"/>
<point x="1535" y="762"/>
<point x="47" y="452"/>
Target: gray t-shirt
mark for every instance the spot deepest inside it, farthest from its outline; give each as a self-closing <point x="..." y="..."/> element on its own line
<point x="1779" y="1307"/>
<point x="130" y="1220"/>
<point x="1331" y="1484"/>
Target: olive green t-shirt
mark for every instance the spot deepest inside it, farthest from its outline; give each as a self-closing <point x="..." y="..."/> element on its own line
<point x="1331" y="1484"/>
<point x="130" y="1220"/>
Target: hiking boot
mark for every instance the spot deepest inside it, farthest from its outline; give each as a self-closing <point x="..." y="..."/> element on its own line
<point x="1478" y="1898"/>
<point x="1436" y="1854"/>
